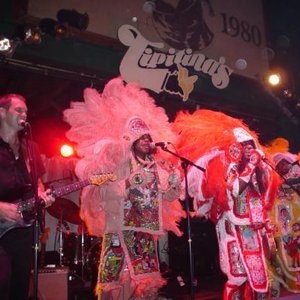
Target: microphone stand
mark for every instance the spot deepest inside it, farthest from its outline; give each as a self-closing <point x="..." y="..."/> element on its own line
<point x="38" y="223"/>
<point x="185" y="163"/>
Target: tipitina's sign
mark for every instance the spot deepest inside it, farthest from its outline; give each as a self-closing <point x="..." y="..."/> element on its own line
<point x="174" y="72"/>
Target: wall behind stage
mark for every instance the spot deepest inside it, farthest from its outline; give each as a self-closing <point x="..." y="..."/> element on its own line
<point x="233" y="29"/>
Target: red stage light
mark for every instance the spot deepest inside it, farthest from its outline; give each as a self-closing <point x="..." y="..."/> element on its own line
<point x="66" y="150"/>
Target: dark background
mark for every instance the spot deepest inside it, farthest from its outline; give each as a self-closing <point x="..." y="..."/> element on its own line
<point x="282" y="23"/>
<point x="49" y="93"/>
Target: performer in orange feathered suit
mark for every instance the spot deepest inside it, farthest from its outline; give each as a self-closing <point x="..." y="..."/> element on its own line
<point x="235" y="191"/>
<point x="114" y="131"/>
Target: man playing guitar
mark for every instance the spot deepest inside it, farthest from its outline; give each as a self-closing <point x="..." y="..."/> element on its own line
<point x="15" y="184"/>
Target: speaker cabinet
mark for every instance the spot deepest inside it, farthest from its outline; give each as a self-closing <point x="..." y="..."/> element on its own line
<point x="53" y="284"/>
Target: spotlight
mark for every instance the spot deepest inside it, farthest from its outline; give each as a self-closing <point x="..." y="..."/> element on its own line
<point x="73" y="18"/>
<point x="28" y="34"/>
<point x="8" y="46"/>
<point x="274" y="79"/>
<point x="32" y="35"/>
<point x="67" y="150"/>
<point x="53" y="28"/>
<point x="287" y="93"/>
<point x="60" y="31"/>
<point x="5" y="44"/>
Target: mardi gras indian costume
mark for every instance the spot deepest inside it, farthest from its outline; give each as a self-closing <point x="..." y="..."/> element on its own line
<point x="285" y="215"/>
<point x="131" y="213"/>
<point x="231" y="192"/>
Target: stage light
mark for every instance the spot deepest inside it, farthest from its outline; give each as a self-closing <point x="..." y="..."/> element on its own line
<point x="8" y="46"/>
<point x="277" y="78"/>
<point x="73" y="18"/>
<point x="53" y="28"/>
<point x="28" y="34"/>
<point x="5" y="44"/>
<point x="66" y="150"/>
<point x="287" y="93"/>
<point x="32" y="35"/>
<point x="274" y="79"/>
<point x="60" y="31"/>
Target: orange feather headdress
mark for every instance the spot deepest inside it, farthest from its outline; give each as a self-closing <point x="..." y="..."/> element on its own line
<point x="213" y="140"/>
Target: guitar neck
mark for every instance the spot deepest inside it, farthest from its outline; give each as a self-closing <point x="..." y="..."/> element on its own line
<point x="73" y="187"/>
<point x="57" y="192"/>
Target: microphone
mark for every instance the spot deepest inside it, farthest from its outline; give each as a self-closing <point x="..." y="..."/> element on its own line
<point x="255" y="156"/>
<point x="23" y="123"/>
<point x="159" y="144"/>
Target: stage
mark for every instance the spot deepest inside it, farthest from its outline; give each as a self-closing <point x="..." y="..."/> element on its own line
<point x="61" y="284"/>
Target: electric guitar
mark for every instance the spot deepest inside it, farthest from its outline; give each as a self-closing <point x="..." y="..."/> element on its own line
<point x="28" y="208"/>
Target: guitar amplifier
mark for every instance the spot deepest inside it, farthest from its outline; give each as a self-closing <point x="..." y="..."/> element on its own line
<point x="53" y="283"/>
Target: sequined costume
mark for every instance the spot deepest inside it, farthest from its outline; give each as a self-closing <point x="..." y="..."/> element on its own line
<point x="233" y="192"/>
<point x="285" y="215"/>
<point x="131" y="213"/>
<point x="134" y="246"/>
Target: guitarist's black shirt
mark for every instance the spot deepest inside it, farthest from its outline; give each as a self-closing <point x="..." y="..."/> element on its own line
<point x="15" y="181"/>
<point x="16" y="244"/>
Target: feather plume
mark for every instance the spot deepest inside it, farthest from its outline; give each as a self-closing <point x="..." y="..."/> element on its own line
<point x="99" y="127"/>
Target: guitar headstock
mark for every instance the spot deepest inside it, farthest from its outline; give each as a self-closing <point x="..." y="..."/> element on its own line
<point x="102" y="178"/>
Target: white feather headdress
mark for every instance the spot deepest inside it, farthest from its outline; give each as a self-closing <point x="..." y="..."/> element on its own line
<point x="104" y="127"/>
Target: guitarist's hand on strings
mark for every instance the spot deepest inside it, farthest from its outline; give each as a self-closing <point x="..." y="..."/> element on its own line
<point x="9" y="212"/>
<point x="47" y="197"/>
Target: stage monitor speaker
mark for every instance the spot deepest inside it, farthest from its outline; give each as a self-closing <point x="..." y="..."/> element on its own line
<point x="53" y="283"/>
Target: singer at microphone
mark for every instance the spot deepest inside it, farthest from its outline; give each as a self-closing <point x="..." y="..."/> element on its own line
<point x="23" y="124"/>
<point x="19" y="157"/>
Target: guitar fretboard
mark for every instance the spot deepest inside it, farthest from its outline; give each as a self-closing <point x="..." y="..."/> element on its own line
<point x="60" y="191"/>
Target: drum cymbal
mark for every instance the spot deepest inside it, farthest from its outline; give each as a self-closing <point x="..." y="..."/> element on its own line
<point x="66" y="210"/>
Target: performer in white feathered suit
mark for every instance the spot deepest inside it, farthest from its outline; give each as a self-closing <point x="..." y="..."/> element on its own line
<point x="114" y="131"/>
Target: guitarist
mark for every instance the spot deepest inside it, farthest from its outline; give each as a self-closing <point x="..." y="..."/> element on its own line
<point x="15" y="184"/>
